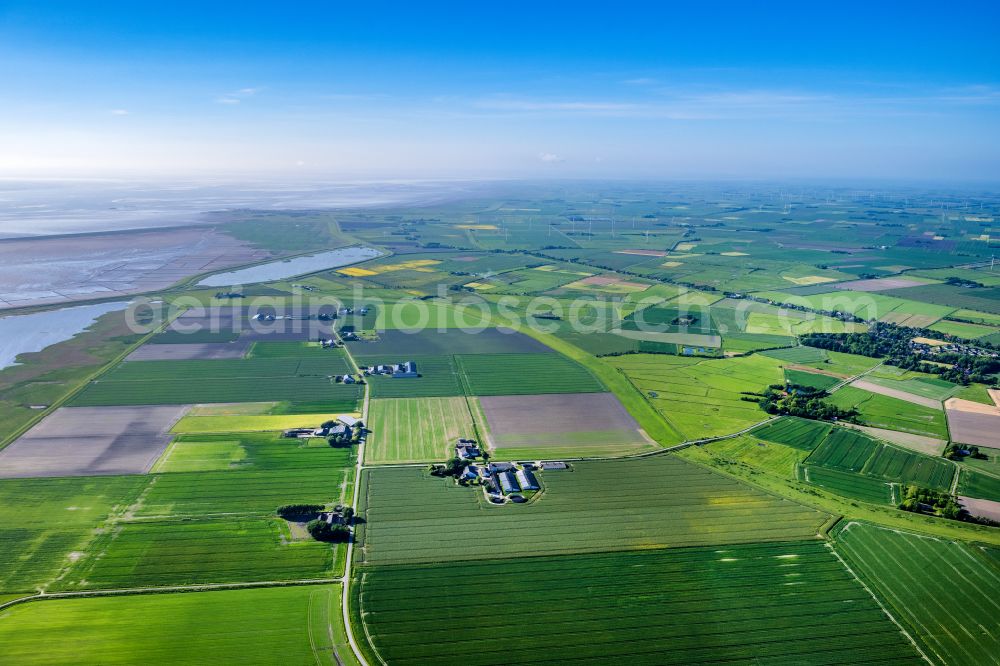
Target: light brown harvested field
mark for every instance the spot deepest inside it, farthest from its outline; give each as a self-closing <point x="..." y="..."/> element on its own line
<point x="204" y="351"/>
<point x="815" y="371"/>
<point x="980" y="507"/>
<point x="973" y="423"/>
<point x="930" y="446"/>
<point x="896" y="393"/>
<point x="63" y="269"/>
<point x="559" y="420"/>
<point x="88" y="441"/>
<point x="962" y="405"/>
<point x="879" y="284"/>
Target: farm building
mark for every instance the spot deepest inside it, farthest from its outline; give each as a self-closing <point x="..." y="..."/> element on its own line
<point x="467" y="449"/>
<point x="407" y="369"/>
<point x="348" y="420"/>
<point x="526" y="479"/>
<point x="501" y="467"/>
<point x="554" y="465"/>
<point x="507" y="482"/>
<point x="470" y="473"/>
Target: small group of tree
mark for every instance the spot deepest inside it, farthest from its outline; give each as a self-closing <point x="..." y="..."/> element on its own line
<point x="802" y="401"/>
<point x="330" y="533"/>
<point x="935" y="502"/>
<point x="962" y="451"/>
<point x="453" y="467"/>
<point x="938" y="503"/>
<point x="298" y="511"/>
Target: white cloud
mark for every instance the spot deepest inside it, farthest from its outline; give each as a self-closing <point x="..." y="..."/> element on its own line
<point x="237" y="96"/>
<point x="550" y="157"/>
<point x="119" y="112"/>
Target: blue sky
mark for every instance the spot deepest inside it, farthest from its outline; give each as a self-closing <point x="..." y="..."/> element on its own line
<point x="321" y="89"/>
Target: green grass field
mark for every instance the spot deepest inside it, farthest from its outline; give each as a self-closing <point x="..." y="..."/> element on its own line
<point x="977" y="484"/>
<point x="702" y="397"/>
<point x="44" y="522"/>
<point x="799" y="433"/>
<point x="216" y="526"/>
<point x="755" y="603"/>
<point x="882" y="411"/>
<point x="943" y="591"/>
<point x="811" y="379"/>
<point x="416" y="429"/>
<point x="319" y="392"/>
<point x="232" y="549"/>
<point x="964" y="330"/>
<point x="746" y="450"/>
<point x="288" y="625"/>
<point x="848" y="484"/>
<point x="907" y="467"/>
<point x="439" y="377"/>
<point x="211" y="452"/>
<point x="843" y="449"/>
<point x="524" y="374"/>
<point x="800" y="355"/>
<point x="923" y="386"/>
<point x="658" y="501"/>
<point x="251" y="380"/>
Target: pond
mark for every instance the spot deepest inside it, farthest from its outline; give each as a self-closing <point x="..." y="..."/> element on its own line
<point x="282" y="269"/>
<point x="34" y="332"/>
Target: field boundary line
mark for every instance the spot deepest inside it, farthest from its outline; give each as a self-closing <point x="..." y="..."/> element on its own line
<point x="878" y="601"/>
<point x="171" y="589"/>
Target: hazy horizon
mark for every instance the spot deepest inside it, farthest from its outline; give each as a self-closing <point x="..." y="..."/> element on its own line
<point x="555" y="91"/>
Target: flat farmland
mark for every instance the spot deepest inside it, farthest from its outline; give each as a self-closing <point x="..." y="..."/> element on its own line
<point x="250" y="380"/>
<point x="802" y="434"/>
<point x="448" y="341"/>
<point x="977" y="484"/>
<point x="88" y="441"/>
<point x="845" y="450"/>
<point x="905" y="390"/>
<point x="973" y="423"/>
<point x="653" y="502"/>
<point x="203" y="351"/>
<point x="439" y="377"/>
<point x="946" y="592"/>
<point x="216" y="452"/>
<point x="702" y="397"/>
<point x="44" y="523"/>
<point x="755" y="603"/>
<point x="848" y="484"/>
<point x="253" y="422"/>
<point x="801" y="355"/>
<point x="813" y="380"/>
<point x="255" y="492"/>
<point x="553" y="425"/>
<point x="416" y="429"/>
<point x="234" y="549"/>
<point x="769" y="456"/>
<point x="907" y="467"/>
<point x="288" y="625"/>
<point x="882" y="411"/>
<point x="524" y="374"/>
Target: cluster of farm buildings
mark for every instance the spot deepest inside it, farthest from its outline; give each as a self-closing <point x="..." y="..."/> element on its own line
<point x="500" y="480"/>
